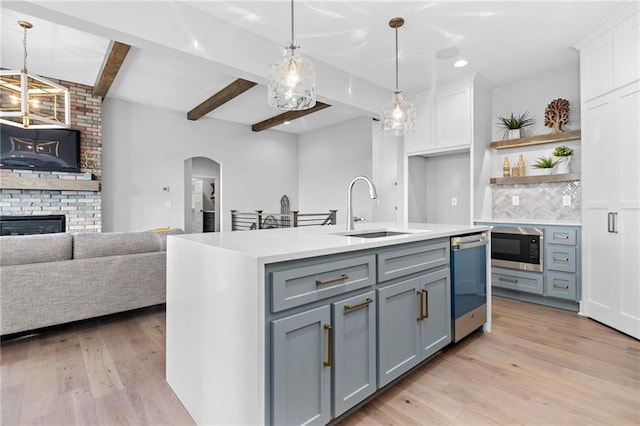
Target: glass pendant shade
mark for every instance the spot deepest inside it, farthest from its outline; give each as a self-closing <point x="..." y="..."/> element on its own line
<point x="398" y="116"/>
<point x="292" y="82"/>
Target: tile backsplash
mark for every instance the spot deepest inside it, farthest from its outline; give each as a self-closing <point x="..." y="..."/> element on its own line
<point x="543" y="201"/>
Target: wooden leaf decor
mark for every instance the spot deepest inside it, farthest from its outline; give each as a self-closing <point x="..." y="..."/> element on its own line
<point x="556" y="115"/>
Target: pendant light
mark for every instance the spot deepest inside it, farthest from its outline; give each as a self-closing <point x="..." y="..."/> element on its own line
<point x="30" y="101"/>
<point x="398" y="116"/>
<point x="292" y="79"/>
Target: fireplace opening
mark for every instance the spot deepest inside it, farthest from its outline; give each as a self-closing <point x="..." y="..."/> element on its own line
<point x="29" y="225"/>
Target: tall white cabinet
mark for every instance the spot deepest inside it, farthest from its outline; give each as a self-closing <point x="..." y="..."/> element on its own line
<point x="610" y="93"/>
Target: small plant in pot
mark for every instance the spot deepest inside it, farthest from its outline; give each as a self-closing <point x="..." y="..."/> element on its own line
<point x="563" y="154"/>
<point x="513" y="125"/>
<point x="546" y="164"/>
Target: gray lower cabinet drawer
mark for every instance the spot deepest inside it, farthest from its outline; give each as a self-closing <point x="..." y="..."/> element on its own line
<point x="395" y="263"/>
<point x="517" y="280"/>
<point x="561" y="285"/>
<point x="306" y="282"/>
<point x="560" y="258"/>
<point x="566" y="236"/>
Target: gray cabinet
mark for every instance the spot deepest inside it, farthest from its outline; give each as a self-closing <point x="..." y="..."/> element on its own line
<point x="306" y="282"/>
<point x="414" y="322"/>
<point x="529" y="282"/>
<point x="354" y="354"/>
<point x="343" y="326"/>
<point x="398" y="329"/>
<point x="435" y="326"/>
<point x="559" y="284"/>
<point x="301" y="361"/>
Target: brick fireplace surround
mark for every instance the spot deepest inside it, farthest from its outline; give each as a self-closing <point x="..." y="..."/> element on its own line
<point x="83" y="209"/>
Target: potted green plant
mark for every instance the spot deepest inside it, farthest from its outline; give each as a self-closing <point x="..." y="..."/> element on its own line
<point x="513" y="125"/>
<point x="563" y="154"/>
<point x="546" y="164"/>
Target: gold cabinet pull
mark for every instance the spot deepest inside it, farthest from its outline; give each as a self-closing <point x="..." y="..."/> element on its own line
<point x="366" y="302"/>
<point x="561" y="259"/>
<point x="426" y="304"/>
<point x="560" y="286"/>
<point x="342" y="277"/>
<point x="420" y="304"/>
<point x="327" y="363"/>
<point x="508" y="280"/>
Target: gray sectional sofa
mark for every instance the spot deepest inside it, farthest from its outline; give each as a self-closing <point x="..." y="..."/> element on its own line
<point x="52" y="279"/>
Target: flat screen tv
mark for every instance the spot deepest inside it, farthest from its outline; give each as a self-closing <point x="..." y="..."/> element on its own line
<point x="39" y="149"/>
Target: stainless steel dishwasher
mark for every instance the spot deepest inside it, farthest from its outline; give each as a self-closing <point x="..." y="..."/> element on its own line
<point x="468" y="283"/>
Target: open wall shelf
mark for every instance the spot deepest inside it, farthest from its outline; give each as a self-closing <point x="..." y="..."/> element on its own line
<point x="537" y="140"/>
<point x="567" y="177"/>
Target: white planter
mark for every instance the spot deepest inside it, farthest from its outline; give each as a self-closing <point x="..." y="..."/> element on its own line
<point x="563" y="165"/>
<point x="514" y="134"/>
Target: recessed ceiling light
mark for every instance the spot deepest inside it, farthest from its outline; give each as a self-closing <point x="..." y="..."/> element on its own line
<point x="460" y="63"/>
<point x="447" y="53"/>
<point x="286" y="122"/>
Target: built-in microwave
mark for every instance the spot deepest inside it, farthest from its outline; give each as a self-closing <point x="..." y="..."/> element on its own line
<point x="517" y="248"/>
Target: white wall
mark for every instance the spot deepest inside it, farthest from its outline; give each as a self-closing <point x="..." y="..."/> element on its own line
<point x="387" y="153"/>
<point x="534" y="95"/>
<point x="144" y="149"/>
<point x="433" y="182"/>
<point x="329" y="159"/>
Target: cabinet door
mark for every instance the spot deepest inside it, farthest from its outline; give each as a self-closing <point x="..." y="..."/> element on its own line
<point x="398" y="332"/>
<point x="354" y="366"/>
<point x="453" y="116"/>
<point x="611" y="210"/>
<point x="423" y="137"/>
<point x="301" y="375"/>
<point x="626" y="51"/>
<point x="596" y="69"/>
<point x="435" y="325"/>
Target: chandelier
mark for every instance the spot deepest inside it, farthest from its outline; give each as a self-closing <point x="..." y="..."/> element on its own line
<point x="31" y="101"/>
<point x="398" y="116"/>
<point x="292" y="79"/>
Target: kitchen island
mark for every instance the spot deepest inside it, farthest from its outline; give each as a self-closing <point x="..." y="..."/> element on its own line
<point x="299" y="325"/>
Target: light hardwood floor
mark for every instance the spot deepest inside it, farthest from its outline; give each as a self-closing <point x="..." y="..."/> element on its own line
<point x="539" y="366"/>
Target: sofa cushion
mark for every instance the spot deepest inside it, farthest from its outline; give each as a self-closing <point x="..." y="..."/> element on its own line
<point x="97" y="244"/>
<point x="23" y="249"/>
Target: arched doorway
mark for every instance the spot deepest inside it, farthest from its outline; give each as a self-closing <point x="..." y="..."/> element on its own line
<point x="202" y="201"/>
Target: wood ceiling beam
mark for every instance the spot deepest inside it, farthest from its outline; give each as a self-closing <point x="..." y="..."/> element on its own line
<point x="223" y="96"/>
<point x="287" y="116"/>
<point x="117" y="52"/>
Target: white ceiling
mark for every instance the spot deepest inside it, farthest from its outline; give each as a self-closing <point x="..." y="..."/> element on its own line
<point x="185" y="51"/>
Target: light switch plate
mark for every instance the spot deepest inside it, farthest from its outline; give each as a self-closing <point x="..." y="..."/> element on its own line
<point x="515" y="200"/>
<point x="454" y="201"/>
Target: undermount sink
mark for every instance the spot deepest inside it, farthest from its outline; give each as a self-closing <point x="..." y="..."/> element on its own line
<point x="376" y="234"/>
<point x="379" y="233"/>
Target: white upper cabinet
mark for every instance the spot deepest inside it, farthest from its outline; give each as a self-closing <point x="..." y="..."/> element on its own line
<point x="611" y="60"/>
<point x="423" y="139"/>
<point x="626" y="51"/>
<point x="444" y="120"/>
<point x="453" y="116"/>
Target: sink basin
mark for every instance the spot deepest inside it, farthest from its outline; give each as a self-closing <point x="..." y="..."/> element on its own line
<point x="380" y="233"/>
<point x="376" y="234"/>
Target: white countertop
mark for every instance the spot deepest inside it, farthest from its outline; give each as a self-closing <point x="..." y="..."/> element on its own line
<point x="276" y="245"/>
